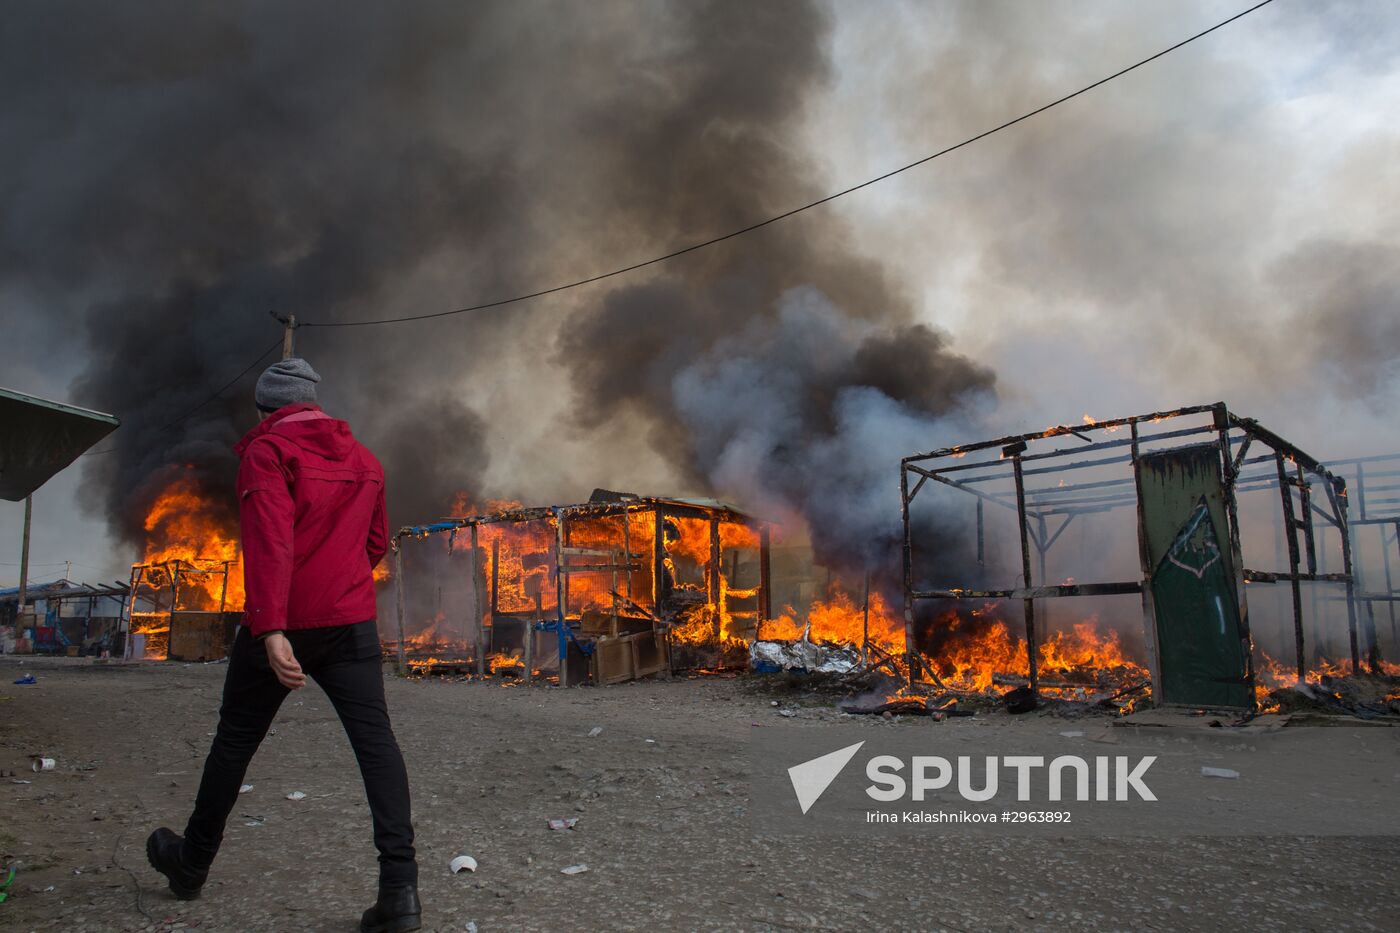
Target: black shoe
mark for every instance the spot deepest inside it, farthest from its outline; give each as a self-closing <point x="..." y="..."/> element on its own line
<point x="164" y="850"/>
<point x="396" y="911"/>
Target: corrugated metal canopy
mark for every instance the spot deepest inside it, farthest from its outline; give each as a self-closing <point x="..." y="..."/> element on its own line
<point x="39" y="437"/>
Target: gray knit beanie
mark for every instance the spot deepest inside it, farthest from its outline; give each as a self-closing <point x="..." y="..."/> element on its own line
<point x="286" y="383"/>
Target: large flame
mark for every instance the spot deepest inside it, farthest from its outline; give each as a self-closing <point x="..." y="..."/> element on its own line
<point x="184" y="531"/>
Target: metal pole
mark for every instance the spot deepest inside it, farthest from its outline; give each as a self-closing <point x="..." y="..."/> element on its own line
<point x="480" y="613"/>
<point x="24" y="556"/>
<point x="981" y="537"/>
<point x="1032" y="648"/>
<point x="1042" y="547"/>
<point x="1390" y="584"/>
<point x="402" y="664"/>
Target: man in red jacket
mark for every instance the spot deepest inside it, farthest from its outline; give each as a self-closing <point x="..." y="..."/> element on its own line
<point x="311" y="502"/>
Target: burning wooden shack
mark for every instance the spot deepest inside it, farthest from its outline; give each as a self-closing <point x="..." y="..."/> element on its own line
<point x="1171" y="512"/>
<point x="183" y="609"/>
<point x="611" y="589"/>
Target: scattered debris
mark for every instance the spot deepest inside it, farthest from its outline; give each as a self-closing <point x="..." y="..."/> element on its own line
<point x="296" y="795"/>
<point x="28" y="680"/>
<point x="595" y="732"/>
<point x="19" y="781"/>
<point x="1073" y="733"/>
<point x="773" y="656"/>
<point x="245" y="788"/>
<point x="5" y="885"/>
<point x="888" y="702"/>
<point x="462" y="863"/>
<point x="566" y="823"/>
<point x="787" y="713"/>
<point x="1019" y="700"/>
<point x="43" y="764"/>
<point x="471" y="926"/>
<point x="574" y="869"/>
<point x="1219" y="773"/>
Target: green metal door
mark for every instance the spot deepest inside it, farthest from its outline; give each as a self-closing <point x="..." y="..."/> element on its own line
<point x="1201" y="648"/>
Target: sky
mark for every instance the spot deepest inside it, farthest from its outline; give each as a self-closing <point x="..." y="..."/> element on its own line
<point x="1219" y="224"/>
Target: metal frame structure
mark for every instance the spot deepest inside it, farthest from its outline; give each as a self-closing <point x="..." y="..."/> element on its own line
<point x="149" y="576"/>
<point x="598" y="561"/>
<point x="1039" y="507"/>
<point x="1367" y="477"/>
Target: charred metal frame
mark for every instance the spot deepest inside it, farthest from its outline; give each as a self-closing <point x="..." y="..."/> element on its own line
<point x="1375" y="485"/>
<point x="600" y="562"/>
<point x="1043" y="513"/>
<point x="141" y="575"/>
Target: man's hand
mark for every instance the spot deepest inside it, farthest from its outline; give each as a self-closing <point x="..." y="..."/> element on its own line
<point x="284" y="662"/>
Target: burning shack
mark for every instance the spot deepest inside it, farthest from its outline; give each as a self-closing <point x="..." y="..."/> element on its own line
<point x="615" y="588"/>
<point x="1133" y="554"/>
<point x="183" y="609"/>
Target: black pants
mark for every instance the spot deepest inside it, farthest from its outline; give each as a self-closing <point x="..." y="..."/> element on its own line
<point x="345" y="661"/>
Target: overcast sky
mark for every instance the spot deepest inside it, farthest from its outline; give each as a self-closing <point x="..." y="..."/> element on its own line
<point x="1220" y="224"/>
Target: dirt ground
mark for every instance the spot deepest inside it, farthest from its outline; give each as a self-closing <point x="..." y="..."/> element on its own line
<point x="662" y="824"/>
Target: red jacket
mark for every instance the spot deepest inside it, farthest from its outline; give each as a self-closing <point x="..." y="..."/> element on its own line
<point x="311" y="499"/>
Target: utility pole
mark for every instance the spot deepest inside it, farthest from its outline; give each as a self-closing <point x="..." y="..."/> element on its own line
<point x="289" y="338"/>
<point x="289" y="326"/>
<point x="24" y="554"/>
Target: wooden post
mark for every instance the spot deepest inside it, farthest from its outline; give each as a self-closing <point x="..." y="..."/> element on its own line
<point x="561" y="596"/>
<point x="1337" y="495"/>
<point x="765" y="576"/>
<point x="712" y="577"/>
<point x="627" y="550"/>
<point x="402" y="665"/>
<point x="658" y="569"/>
<point x="1290" y="527"/>
<point x="495" y="577"/>
<point x="865" y="622"/>
<point x="908" y="567"/>
<point x="477" y="604"/>
<point x="223" y="592"/>
<point x="124" y="621"/>
<point x="24" y="557"/>
<point x="288" y="339"/>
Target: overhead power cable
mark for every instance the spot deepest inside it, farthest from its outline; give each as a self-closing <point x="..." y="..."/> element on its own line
<point x="483" y="306"/>
<point x="189" y="414"/>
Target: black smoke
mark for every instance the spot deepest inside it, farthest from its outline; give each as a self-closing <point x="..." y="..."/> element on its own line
<point x="175" y="173"/>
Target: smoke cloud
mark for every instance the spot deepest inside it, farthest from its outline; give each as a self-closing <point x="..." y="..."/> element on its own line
<point x="172" y="174"/>
<point x="188" y="172"/>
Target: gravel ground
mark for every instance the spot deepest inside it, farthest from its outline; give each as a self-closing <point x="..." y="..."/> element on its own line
<point x="662" y="824"/>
